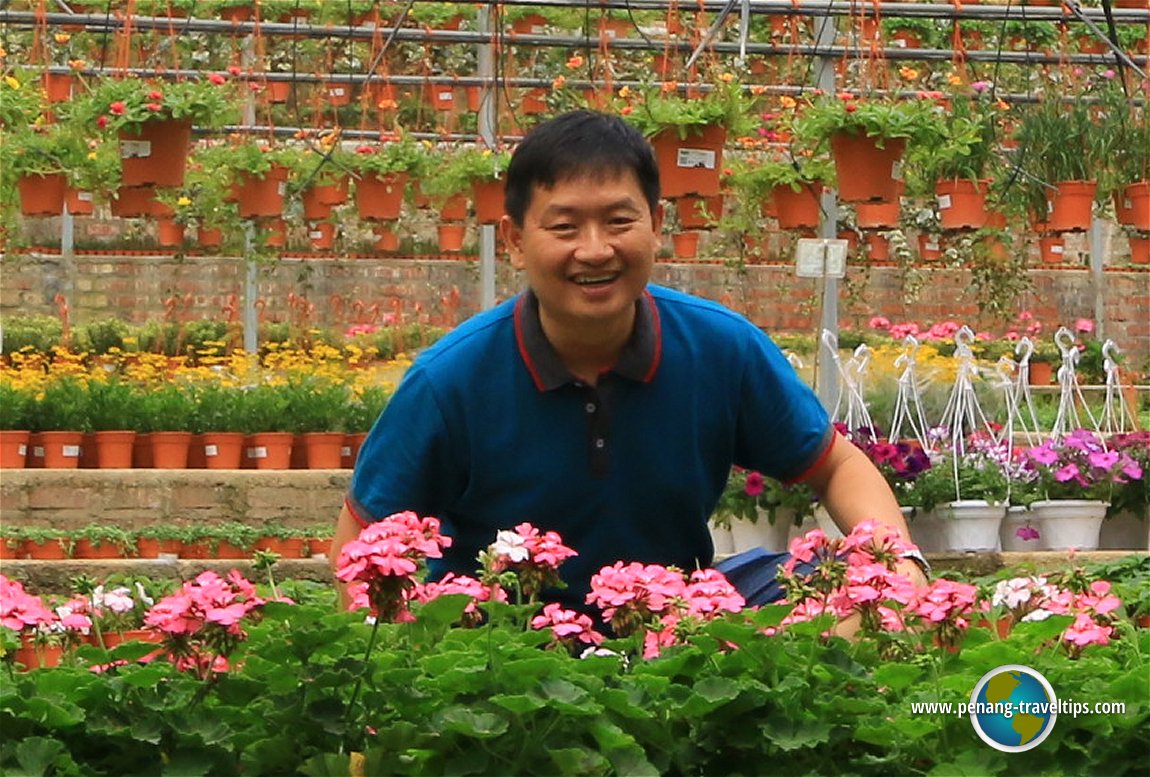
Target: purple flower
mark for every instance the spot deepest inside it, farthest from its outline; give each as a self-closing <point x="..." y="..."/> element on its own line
<point x="1067" y="473"/>
<point x="1043" y="454"/>
<point x="1104" y="460"/>
<point x="1027" y="533"/>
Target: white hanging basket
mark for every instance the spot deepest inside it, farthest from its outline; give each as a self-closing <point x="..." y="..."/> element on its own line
<point x="1069" y="523"/>
<point x="771" y="537"/>
<point x="1126" y="531"/>
<point x="970" y="525"/>
<point x="1018" y="517"/>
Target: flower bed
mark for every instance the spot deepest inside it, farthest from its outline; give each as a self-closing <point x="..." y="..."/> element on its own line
<point x="469" y="675"/>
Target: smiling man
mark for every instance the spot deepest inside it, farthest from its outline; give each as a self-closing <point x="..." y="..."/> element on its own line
<point x="594" y="403"/>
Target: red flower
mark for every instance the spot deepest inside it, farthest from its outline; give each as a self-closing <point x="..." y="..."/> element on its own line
<point x="155" y="94"/>
<point x="850" y="107"/>
<point x="117" y="108"/>
<point x="102" y="122"/>
<point x="217" y="79"/>
<point x="234" y="70"/>
<point x="154" y="107"/>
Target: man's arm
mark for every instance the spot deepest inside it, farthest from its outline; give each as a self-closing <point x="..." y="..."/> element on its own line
<point x="852" y="490"/>
<point x="347" y="528"/>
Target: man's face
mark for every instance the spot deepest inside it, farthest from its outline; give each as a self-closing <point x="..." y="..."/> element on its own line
<point x="587" y="245"/>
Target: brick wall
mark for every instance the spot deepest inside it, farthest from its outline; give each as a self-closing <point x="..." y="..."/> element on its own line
<point x="135" y="286"/>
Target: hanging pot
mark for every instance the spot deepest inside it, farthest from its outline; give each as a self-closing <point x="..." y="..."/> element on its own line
<point x="531" y="24"/>
<point x="800" y="209"/>
<point x="278" y="92"/>
<point x="208" y="237"/>
<point x="337" y="94"/>
<point x="971" y="525"/>
<point x="275" y="232"/>
<point x="1139" y="249"/>
<point x="685" y="244"/>
<point x="380" y="198"/>
<point x="929" y="248"/>
<point x="691" y="164"/>
<point x="1070" y="206"/>
<point x="696" y="212"/>
<point x="321" y="235"/>
<point x="534" y="102"/>
<point x="79" y="202"/>
<point x="57" y="86"/>
<point x="1132" y="205"/>
<point x="42" y="195"/>
<point x="261" y="197"/>
<point x="169" y="233"/>
<point x="1052" y="249"/>
<point x="386" y="239"/>
<point x="1069" y="523"/>
<point x="879" y="215"/>
<point x="962" y="203"/>
<point x="451" y="236"/>
<point x="156" y="154"/>
<point x="488" y="199"/>
<point x="878" y="246"/>
<point x="864" y="171"/>
<point x="134" y="202"/>
<point x="1009" y="538"/>
<point x="454" y="209"/>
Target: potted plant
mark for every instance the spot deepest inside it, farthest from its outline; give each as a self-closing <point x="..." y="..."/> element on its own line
<point x="60" y="418"/>
<point x="217" y="422"/>
<point x="381" y="172"/>
<point x="315" y="406"/>
<point x="267" y="426"/>
<point x="1126" y="519"/>
<point x="16" y="406"/>
<point x="788" y="186"/>
<point x="867" y="138"/>
<point x="154" y="120"/>
<point x="689" y="132"/>
<point x="111" y="403"/>
<point x="96" y="541"/>
<point x="164" y="418"/>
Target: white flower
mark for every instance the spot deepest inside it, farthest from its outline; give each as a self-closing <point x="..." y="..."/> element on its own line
<point x="1037" y="615"/>
<point x="142" y="595"/>
<point x="119" y="600"/>
<point x="511" y="546"/>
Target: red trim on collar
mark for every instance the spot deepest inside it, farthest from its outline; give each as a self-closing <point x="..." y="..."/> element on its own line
<point x="522" y="344"/>
<point x="657" y="333"/>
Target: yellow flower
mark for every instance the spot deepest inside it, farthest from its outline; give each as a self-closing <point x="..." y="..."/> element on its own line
<point x="727" y="78"/>
<point x="625" y="92"/>
<point x="91" y="155"/>
<point x="12" y="82"/>
<point x="559" y="82"/>
<point x="787" y="101"/>
<point x="909" y="73"/>
<point x="184" y="202"/>
<point x="61" y="37"/>
<point x="954" y="79"/>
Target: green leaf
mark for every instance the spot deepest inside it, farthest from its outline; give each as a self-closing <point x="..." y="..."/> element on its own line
<point x="36" y="754"/>
<point x="327" y="765"/>
<point x="710" y="693"/>
<point x="518" y="703"/>
<point x="461" y="720"/>
<point x="897" y="676"/>
<point x="578" y="760"/>
<point x="974" y="762"/>
<point x="794" y="733"/>
<point x="62" y="715"/>
<point x="188" y="763"/>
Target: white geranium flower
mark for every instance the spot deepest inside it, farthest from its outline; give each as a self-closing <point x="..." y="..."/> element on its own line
<point x="510" y="546"/>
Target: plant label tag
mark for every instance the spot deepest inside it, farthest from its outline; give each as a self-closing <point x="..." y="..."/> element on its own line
<point x="447" y="97"/>
<point x="538" y="29"/>
<point x="896" y="170"/>
<point x="211" y="450"/>
<point x="1057" y="249"/>
<point x="345" y="450"/>
<point x="259" y="452"/>
<point x="22" y="450"/>
<point x="817" y="258"/>
<point x="70" y="451"/>
<point x="37" y="452"/>
<point x="1127" y="203"/>
<point x="135" y="149"/>
<point x="695" y="158"/>
<point x="931" y="245"/>
<point x="315" y="234"/>
<point x="336" y="91"/>
<point x="944" y="201"/>
<point x="84" y="196"/>
<point x="281" y="187"/>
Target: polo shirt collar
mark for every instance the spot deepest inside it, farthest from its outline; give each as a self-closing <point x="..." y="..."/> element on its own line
<point x="638" y="361"/>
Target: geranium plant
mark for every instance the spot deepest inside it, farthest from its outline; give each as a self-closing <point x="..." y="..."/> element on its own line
<point x="128" y="103"/>
<point x="823" y="115"/>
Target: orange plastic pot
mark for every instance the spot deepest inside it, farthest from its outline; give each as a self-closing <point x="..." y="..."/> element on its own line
<point x="14" y="448"/>
<point x="170" y="449"/>
<point x="223" y="450"/>
<point x="1071" y="206"/>
<point x="488" y="198"/>
<point x="1052" y="249"/>
<point x="349" y="451"/>
<point x="42" y="195"/>
<point x="696" y="212"/>
<point x="323" y="449"/>
<point x="157" y="154"/>
<point x="451" y="236"/>
<point x="134" y="202"/>
<point x="962" y="203"/>
<point x="321" y="235"/>
<point x="798" y="210"/>
<point x="79" y="202"/>
<point x="380" y="198"/>
<point x="169" y="234"/>
<point x="685" y="244"/>
<point x="61" y="449"/>
<point x="261" y="197"/>
<point x="114" y="448"/>
<point x="690" y="165"/>
<point x="864" y="171"/>
<point x="270" y="450"/>
<point x="1132" y="205"/>
<point x="386" y="239"/>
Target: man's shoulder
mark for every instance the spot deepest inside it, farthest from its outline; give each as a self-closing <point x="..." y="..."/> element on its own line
<point x="469" y="340"/>
<point x="697" y="311"/>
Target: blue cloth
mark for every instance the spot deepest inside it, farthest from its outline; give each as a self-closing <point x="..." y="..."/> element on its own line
<point x="488" y="429"/>
<point x="754" y="573"/>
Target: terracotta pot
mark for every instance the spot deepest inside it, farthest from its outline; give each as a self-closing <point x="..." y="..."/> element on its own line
<point x="275" y="232"/>
<point x="170" y="449"/>
<point x="142" y="451"/>
<point x="534" y="102"/>
<point x="441" y="97"/>
<point x="319" y="546"/>
<point x="153" y="547"/>
<point x="88" y="458"/>
<point x="451" y="236"/>
<point x="49" y="550"/>
<point x="61" y="449"/>
<point x="349" y="451"/>
<point x="114" y="448"/>
<point x="298" y="453"/>
<point x="380" y="198"/>
<point x="454" y="209"/>
<point x="34" y="656"/>
<point x="1040" y="373"/>
<point x="57" y="86"/>
<point x="196" y="458"/>
<point x="488" y="199"/>
<point x="225" y="549"/>
<point x="1052" y="249"/>
<point x="531" y="24"/>
<point x="270" y="450"/>
<point x="207" y="237"/>
<point x="699" y="212"/>
<point x="134" y="202"/>
<point x="169" y="234"/>
<point x="798" y="210"/>
<point x="319" y="200"/>
<point x="962" y="203"/>
<point x="323" y="449"/>
<point x="261" y="197"/>
<point x="1071" y="206"/>
<point x="337" y="94"/>
<point x="929" y="248"/>
<point x="85" y="549"/>
<point x="278" y="92"/>
<point x="865" y="172"/>
<point x="321" y="235"/>
<point x="287" y="547"/>
<point x="1140" y="250"/>
<point x="1132" y="205"/>
<point x="156" y="155"/>
<point x="223" y="450"/>
<point x="237" y="13"/>
<point x="42" y="195"/>
<point x="386" y="239"/>
<point x="878" y="246"/>
<point x="11" y="549"/>
<point x="685" y="244"/>
<point x="690" y="165"/>
<point x="14" y="444"/>
<point x="79" y="202"/>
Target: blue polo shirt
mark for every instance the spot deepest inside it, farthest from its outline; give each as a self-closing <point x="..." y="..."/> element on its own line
<point x="488" y="429"/>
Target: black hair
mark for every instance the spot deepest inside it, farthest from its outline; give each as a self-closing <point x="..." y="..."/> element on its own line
<point x="575" y="143"/>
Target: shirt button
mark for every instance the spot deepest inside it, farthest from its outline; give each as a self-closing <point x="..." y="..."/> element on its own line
<point x="590" y="407"/>
<point x="599" y="442"/>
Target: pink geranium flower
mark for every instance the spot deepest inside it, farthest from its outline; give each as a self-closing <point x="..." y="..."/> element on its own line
<point x="569" y="628"/>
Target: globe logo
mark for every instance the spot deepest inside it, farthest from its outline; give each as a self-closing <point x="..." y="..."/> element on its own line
<point x="1013" y="708"/>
